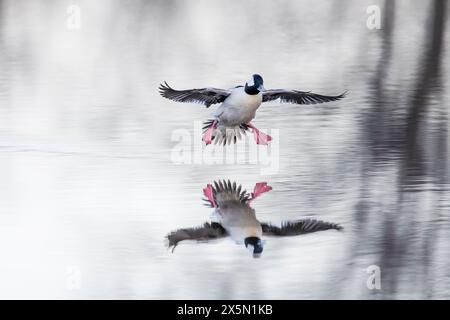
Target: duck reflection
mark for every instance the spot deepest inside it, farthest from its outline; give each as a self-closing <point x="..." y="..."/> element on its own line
<point x="234" y="217"/>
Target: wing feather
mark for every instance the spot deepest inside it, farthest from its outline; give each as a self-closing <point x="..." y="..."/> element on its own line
<point x="299" y="97"/>
<point x="298" y="227"/>
<point x="206" y="96"/>
<point x="206" y="232"/>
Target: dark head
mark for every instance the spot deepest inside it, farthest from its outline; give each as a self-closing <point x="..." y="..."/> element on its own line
<point x="255" y="245"/>
<point x="254" y="85"/>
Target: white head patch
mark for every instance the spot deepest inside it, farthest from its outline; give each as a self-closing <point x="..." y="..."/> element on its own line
<point x="251" y="82"/>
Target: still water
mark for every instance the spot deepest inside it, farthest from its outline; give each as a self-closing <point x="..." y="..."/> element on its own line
<point x="89" y="186"/>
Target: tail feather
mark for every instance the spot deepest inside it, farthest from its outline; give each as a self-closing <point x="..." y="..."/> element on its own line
<point x="224" y="135"/>
<point x="223" y="190"/>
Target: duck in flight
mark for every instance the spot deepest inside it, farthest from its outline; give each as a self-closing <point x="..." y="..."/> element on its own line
<point x="234" y="217"/>
<point x="238" y="107"/>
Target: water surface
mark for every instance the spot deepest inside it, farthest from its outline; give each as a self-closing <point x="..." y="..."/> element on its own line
<point x="89" y="188"/>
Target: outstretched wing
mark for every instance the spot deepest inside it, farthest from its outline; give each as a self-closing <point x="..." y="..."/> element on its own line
<point x="206" y="232"/>
<point x="298" y="227"/>
<point x="206" y="96"/>
<point x="298" y="97"/>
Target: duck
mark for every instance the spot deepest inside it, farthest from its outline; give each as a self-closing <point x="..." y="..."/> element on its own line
<point x="238" y="107"/>
<point x="234" y="217"/>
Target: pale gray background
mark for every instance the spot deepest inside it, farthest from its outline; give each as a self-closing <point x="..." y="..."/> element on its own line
<point x="86" y="180"/>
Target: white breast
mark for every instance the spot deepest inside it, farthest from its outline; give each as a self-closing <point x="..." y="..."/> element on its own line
<point x="238" y="108"/>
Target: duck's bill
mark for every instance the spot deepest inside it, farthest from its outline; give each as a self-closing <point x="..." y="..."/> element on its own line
<point x="261" y="88"/>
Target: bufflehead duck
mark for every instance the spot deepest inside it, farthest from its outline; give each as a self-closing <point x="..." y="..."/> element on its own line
<point x="238" y="107"/>
<point x="234" y="217"/>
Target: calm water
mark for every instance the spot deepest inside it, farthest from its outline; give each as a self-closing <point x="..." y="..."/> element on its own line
<point x="88" y="183"/>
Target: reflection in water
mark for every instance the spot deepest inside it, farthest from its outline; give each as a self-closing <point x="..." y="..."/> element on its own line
<point x="234" y="217"/>
<point x="87" y="182"/>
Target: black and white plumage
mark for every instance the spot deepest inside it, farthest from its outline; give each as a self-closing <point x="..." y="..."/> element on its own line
<point x="234" y="217"/>
<point x="298" y="97"/>
<point x="298" y="227"/>
<point x="239" y="105"/>
<point x="207" y="231"/>
<point x="213" y="230"/>
<point x="210" y="96"/>
<point x="206" y="96"/>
